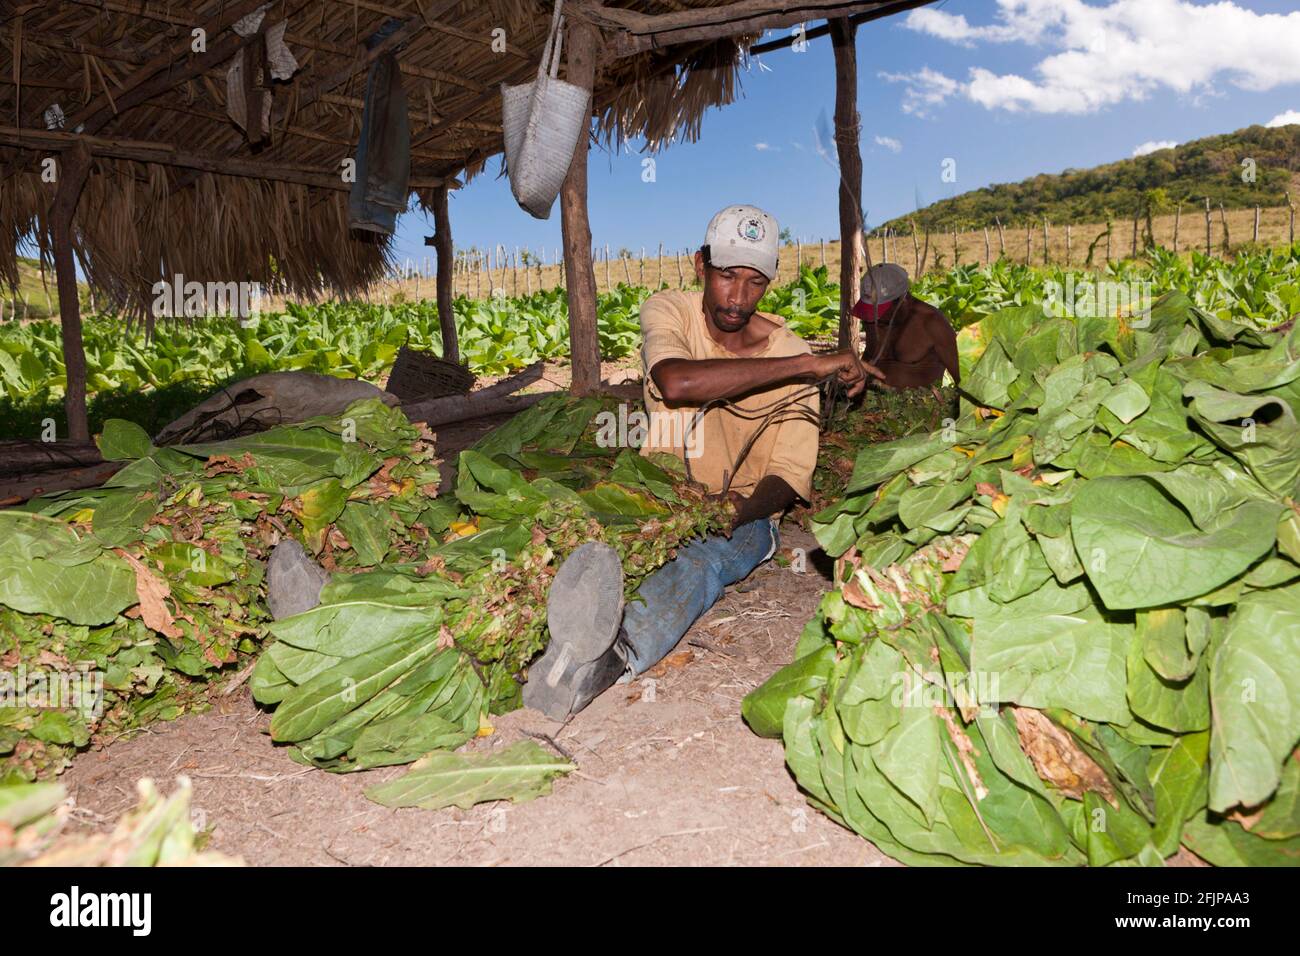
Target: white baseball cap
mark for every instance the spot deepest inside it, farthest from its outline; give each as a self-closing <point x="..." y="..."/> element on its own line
<point x="743" y="236"/>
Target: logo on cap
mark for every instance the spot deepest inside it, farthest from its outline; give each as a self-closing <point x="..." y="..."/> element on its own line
<point x="751" y="229"/>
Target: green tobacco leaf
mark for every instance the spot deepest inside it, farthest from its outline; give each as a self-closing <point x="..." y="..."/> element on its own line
<point x="1255" y="696"/>
<point x="1139" y="549"/>
<point x="404" y="738"/>
<point x="119" y="519"/>
<point x="123" y="440"/>
<point x="764" y="707"/>
<point x="36" y="576"/>
<point x="1049" y="649"/>
<point x="367" y="526"/>
<point x="1181" y="706"/>
<point x="521" y="772"/>
<point x="1178" y="776"/>
<point x="312" y="707"/>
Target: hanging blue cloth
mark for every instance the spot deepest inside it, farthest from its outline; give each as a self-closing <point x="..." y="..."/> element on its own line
<point x="383" y="157"/>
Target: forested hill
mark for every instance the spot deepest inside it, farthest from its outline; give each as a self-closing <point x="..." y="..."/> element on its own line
<point x="1185" y="174"/>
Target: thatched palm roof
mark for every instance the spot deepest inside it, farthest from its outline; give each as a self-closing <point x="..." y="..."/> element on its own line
<point x="125" y="72"/>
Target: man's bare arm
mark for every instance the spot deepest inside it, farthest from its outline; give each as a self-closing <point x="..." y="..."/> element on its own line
<point x="945" y="345"/>
<point x="696" y="381"/>
<point x="771" y="495"/>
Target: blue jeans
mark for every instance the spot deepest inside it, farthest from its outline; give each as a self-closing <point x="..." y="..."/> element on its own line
<point x="672" y="598"/>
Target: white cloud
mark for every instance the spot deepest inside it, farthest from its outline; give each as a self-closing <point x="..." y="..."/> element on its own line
<point x="1097" y="56"/>
<point x="1285" y="119"/>
<point x="923" y="89"/>
<point x="767" y="147"/>
<point x="1152" y="145"/>
<point x="891" y="144"/>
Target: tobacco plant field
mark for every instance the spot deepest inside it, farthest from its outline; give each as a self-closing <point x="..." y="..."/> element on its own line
<point x="153" y="380"/>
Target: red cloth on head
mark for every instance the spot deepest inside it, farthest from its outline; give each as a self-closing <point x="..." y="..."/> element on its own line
<point x="865" y="310"/>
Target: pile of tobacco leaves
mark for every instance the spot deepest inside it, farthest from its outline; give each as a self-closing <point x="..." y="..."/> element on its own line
<point x="153" y="584"/>
<point x="1066" y="625"/>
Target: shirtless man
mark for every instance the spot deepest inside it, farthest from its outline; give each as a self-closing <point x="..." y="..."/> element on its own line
<point x="918" y="341"/>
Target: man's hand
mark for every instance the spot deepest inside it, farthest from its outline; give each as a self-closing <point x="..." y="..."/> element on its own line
<point x="770" y="496"/>
<point x="849" y="369"/>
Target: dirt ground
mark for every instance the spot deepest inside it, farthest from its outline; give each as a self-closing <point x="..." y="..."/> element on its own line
<point x="668" y="773"/>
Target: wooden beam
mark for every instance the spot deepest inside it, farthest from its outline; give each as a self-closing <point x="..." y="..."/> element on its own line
<point x="584" y="342"/>
<point x="166" y="154"/>
<point x="633" y="32"/>
<point x="72" y="172"/>
<point x="843" y="36"/>
<point x="885" y="10"/>
<point x="444" y="249"/>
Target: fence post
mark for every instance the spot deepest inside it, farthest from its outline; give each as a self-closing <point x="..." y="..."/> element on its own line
<point x="956" y="256"/>
<point x="641" y="272"/>
<point x="916" y="251"/>
<point x="1002" y="239"/>
<point x="1108" y="234"/>
<point x="1291" y="229"/>
<point x="884" y="249"/>
<point x="1067" y="243"/>
<point x="1227" y="243"/>
<point x="1045" y="240"/>
<point x="1029" y="241"/>
<point x="608" y="285"/>
<point x="1255" y="236"/>
<point x="988" y="252"/>
<point x="798" y="251"/>
<point x="660" y="260"/>
<point x="823" y="245"/>
<point x="1207" y="225"/>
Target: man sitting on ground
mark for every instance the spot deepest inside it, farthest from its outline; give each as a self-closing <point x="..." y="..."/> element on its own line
<point x="708" y="352"/>
<point x="911" y="341"/>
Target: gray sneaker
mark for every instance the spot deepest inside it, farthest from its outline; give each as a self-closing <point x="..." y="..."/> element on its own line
<point x="584" y="609"/>
<point x="293" y="580"/>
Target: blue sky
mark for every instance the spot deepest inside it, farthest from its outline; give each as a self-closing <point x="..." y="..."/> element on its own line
<point x="1006" y="88"/>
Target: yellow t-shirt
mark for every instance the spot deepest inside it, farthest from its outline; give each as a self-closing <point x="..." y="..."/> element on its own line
<point x="673" y="326"/>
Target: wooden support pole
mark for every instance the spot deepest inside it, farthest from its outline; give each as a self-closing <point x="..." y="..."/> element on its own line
<point x="584" y="342"/>
<point x="1227" y="242"/>
<point x="956" y="255"/>
<point x="1002" y="239"/>
<point x="659" y="284"/>
<point x="1207" y="225"/>
<point x="843" y="35"/>
<point x="916" y="252"/>
<point x="443" y="249"/>
<point x="1291" y="228"/>
<point x="988" y="252"/>
<point x="1045" y="240"/>
<point x="1029" y="241"/>
<point x="822" y="243"/>
<point x="1108" y="234"/>
<point x="681" y="279"/>
<point x="72" y="172"/>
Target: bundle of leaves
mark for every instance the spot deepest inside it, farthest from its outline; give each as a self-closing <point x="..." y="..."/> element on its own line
<point x="410" y="658"/>
<point x="119" y="605"/>
<point x="1066" y="628"/>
